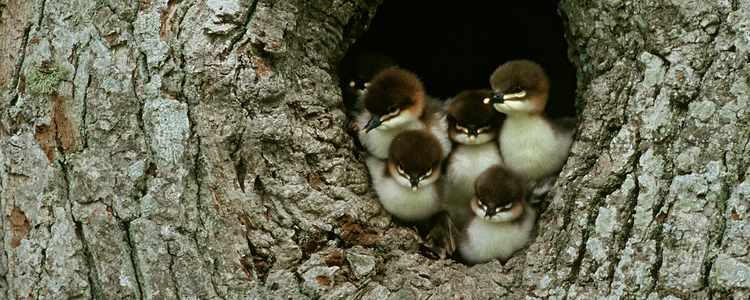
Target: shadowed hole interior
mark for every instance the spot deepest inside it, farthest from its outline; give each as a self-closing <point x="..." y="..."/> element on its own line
<point x="455" y="46"/>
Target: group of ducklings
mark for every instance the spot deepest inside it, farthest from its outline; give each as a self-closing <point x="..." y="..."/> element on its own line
<point x="473" y="162"/>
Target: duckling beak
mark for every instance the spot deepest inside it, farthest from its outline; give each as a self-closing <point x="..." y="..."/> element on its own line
<point x="489" y="213"/>
<point x="414" y="179"/>
<point x="374" y="122"/>
<point x="473" y="133"/>
<point x="496" y="98"/>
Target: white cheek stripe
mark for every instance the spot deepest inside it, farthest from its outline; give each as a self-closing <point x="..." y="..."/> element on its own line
<point x="520" y="94"/>
<point x="388" y="116"/>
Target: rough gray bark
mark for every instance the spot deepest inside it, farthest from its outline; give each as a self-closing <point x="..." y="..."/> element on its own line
<point x="197" y="149"/>
<point x="654" y="199"/>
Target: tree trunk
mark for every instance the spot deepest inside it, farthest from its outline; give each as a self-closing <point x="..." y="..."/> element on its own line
<point x="197" y="149"/>
<point x="654" y="198"/>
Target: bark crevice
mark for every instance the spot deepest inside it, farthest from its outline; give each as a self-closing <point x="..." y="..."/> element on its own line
<point x="172" y="273"/>
<point x="92" y="275"/>
<point x="84" y="114"/>
<point x="132" y="256"/>
<point x="41" y="4"/>
<point x="243" y="30"/>
<point x="717" y="234"/>
<point x="622" y="241"/>
<point x="13" y="95"/>
<point x="657" y="237"/>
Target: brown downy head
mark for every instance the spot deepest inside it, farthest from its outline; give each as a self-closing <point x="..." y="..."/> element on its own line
<point x="414" y="158"/>
<point x="500" y="195"/>
<point x="394" y="96"/>
<point x="470" y="121"/>
<point x="519" y="86"/>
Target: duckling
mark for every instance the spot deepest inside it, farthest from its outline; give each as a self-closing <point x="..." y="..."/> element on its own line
<point x="503" y="220"/>
<point x="409" y="182"/>
<point x="530" y="143"/>
<point x="395" y="102"/>
<point x="473" y="127"/>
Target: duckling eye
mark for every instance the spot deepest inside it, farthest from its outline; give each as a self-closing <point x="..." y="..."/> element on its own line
<point x="429" y="171"/>
<point x="508" y="206"/>
<point x="517" y="89"/>
<point x="483" y="129"/>
<point x="392" y="109"/>
<point x="401" y="169"/>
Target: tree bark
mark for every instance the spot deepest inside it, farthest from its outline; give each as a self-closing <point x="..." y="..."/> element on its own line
<point x="197" y="149"/>
<point x="654" y="198"/>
